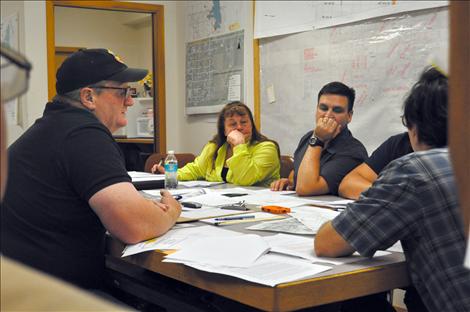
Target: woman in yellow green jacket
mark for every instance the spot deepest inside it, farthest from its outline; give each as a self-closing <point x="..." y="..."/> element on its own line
<point x="237" y="154"/>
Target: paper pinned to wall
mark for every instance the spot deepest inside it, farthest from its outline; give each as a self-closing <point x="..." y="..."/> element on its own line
<point x="274" y="18"/>
<point x="234" y="88"/>
<point x="214" y="72"/>
<point x="270" y="94"/>
<point x="380" y="59"/>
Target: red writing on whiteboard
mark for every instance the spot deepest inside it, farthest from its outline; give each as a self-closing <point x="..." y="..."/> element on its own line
<point x="359" y="62"/>
<point x="309" y="54"/>
<point x="310" y="68"/>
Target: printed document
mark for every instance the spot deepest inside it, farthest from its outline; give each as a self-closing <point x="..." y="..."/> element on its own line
<point x="313" y="217"/>
<point x="233" y="251"/>
<point x="175" y="239"/>
<point x="288" y="225"/>
<point x="269" y="269"/>
<point x="302" y="247"/>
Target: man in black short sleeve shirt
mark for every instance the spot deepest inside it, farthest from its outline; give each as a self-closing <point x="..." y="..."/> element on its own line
<point x="68" y="183"/>
<point x="327" y="153"/>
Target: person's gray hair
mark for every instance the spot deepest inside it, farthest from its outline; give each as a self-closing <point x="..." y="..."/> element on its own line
<point x="74" y="95"/>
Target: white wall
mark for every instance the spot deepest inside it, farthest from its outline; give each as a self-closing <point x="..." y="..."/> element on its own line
<point x="184" y="133"/>
<point x="76" y="27"/>
<point x="32" y="43"/>
<point x="196" y="130"/>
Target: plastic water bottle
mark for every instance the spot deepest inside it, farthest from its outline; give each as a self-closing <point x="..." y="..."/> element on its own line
<point x="171" y="168"/>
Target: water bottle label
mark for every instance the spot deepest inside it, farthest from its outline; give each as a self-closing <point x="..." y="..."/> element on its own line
<point x="171" y="167"/>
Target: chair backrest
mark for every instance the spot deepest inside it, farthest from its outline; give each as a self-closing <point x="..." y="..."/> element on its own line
<point x="183" y="159"/>
<point x="287" y="165"/>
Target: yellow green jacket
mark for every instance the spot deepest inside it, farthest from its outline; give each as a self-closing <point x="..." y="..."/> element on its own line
<point x="256" y="164"/>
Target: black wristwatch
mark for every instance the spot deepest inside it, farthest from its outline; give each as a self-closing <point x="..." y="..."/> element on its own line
<point x="314" y="141"/>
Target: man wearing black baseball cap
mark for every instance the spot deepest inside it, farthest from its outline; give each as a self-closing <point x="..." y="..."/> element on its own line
<point x="68" y="183"/>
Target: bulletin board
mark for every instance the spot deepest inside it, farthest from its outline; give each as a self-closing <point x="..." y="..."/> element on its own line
<point x="380" y="58"/>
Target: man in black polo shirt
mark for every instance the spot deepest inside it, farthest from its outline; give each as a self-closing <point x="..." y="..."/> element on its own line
<point x="327" y="153"/>
<point x="68" y="183"/>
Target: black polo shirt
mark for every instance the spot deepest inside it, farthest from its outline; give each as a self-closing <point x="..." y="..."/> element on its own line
<point x="342" y="154"/>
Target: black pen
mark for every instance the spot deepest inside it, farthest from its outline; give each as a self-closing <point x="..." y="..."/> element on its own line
<point x="235" y="218"/>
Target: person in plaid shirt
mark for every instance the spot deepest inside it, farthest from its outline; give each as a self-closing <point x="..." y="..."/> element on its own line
<point x="413" y="200"/>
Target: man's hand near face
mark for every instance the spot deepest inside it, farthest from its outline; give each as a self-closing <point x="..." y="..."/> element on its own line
<point x="327" y="129"/>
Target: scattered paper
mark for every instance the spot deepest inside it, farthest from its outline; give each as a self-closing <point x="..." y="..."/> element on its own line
<point x="313" y="217"/>
<point x="241" y="251"/>
<point x="215" y="199"/>
<point x="288" y="225"/>
<point x="396" y="247"/>
<point x="198" y="183"/>
<point x="302" y="247"/>
<point x="276" y="200"/>
<point x="269" y="270"/>
<point x="275" y="193"/>
<point x="175" y="238"/>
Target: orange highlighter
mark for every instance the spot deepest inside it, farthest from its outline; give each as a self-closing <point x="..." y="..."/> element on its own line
<point x="275" y="209"/>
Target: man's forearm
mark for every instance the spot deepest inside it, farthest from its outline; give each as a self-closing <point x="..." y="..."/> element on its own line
<point x="309" y="181"/>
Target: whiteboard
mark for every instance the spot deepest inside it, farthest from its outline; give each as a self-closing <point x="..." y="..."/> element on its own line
<point x="380" y="58"/>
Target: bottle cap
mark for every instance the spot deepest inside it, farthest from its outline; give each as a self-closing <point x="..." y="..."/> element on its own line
<point x="171" y="152"/>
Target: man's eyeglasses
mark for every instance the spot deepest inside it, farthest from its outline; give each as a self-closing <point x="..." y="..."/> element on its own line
<point x="14" y="74"/>
<point x="123" y="92"/>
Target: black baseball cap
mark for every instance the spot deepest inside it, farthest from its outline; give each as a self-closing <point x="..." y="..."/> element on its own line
<point x="88" y="66"/>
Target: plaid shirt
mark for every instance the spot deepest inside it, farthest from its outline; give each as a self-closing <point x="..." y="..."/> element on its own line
<point x="414" y="200"/>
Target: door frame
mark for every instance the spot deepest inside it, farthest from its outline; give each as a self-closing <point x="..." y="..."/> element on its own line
<point x="158" y="49"/>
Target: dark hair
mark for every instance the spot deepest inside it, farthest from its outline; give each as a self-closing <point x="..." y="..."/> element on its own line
<point x="426" y="108"/>
<point x="339" y="88"/>
<point x="240" y="109"/>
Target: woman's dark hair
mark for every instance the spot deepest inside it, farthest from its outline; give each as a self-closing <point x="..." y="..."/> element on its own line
<point x="426" y="108"/>
<point x="240" y="109"/>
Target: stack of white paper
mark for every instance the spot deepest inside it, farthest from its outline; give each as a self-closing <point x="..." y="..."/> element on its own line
<point x="138" y="176"/>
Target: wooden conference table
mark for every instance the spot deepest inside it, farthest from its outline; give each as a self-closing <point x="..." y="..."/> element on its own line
<point x="136" y="273"/>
